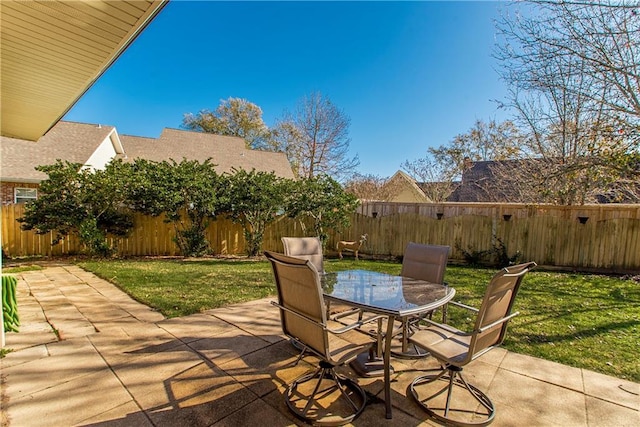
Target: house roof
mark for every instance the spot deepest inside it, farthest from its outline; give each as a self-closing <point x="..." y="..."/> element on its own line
<point x="484" y="181"/>
<point x="479" y="183"/>
<point x="406" y="189"/>
<point x="53" y="51"/>
<point x="74" y="142"/>
<point x="226" y="152"/>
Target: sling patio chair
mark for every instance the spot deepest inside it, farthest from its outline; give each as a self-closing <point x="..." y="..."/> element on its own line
<point x="305" y="248"/>
<point x="423" y="262"/>
<point x="454" y="349"/>
<point x="324" y="396"/>
<point x="311" y="248"/>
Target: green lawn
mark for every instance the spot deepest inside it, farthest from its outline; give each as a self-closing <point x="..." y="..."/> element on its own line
<point x="587" y="321"/>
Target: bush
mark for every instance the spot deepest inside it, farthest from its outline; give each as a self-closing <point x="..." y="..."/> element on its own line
<point x="497" y="256"/>
<point x="76" y="200"/>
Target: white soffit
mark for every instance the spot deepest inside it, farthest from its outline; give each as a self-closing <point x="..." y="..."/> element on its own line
<point x="51" y="52"/>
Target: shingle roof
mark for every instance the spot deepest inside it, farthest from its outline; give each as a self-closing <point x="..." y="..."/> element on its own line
<point x="70" y="141"/>
<point x="480" y="184"/>
<point x="226" y="152"/>
<point x="75" y="142"/>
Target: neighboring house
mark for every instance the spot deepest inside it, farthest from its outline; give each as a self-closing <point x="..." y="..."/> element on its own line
<point x="404" y="189"/>
<point x="439" y="191"/>
<point x="478" y="184"/>
<point x="90" y="145"/>
<point x="95" y="145"/>
<point x="477" y="180"/>
<point x="491" y="181"/>
<point x="496" y="181"/>
<point x="226" y="152"/>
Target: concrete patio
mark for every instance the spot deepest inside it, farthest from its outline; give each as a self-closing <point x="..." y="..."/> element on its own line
<point x="87" y="354"/>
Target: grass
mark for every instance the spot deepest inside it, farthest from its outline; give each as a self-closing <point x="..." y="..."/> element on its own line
<point x="20" y="269"/>
<point x="179" y="288"/>
<point x="586" y="321"/>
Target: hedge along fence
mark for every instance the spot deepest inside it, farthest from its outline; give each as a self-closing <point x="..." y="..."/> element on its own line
<point x="150" y="236"/>
<point x="598" y="237"/>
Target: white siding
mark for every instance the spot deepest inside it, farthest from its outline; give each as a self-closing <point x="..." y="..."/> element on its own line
<point x="103" y="155"/>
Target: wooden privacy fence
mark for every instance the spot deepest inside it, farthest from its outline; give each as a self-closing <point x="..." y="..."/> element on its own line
<point x="598" y="237"/>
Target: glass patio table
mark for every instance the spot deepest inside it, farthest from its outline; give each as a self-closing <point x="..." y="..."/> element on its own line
<point x="394" y="296"/>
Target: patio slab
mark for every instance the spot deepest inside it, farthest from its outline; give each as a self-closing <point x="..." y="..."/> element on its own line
<point x="120" y="363"/>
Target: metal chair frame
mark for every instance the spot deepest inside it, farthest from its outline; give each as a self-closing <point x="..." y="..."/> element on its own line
<point x="489" y="331"/>
<point x="304" y="320"/>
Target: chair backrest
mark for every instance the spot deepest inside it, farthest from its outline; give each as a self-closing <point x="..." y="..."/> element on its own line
<point x="496" y="304"/>
<point x="307" y="248"/>
<point x="425" y="262"/>
<point x="300" y="291"/>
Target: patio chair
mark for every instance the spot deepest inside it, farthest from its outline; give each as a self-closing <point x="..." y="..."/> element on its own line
<point x="454" y="349"/>
<point x="305" y="248"/>
<point x="423" y="262"/>
<point x="303" y="317"/>
<point x="311" y="248"/>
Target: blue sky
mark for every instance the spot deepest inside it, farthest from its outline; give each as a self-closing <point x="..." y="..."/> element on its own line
<point x="408" y="74"/>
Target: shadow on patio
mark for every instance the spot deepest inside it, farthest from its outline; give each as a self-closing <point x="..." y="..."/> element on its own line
<point x="119" y="363"/>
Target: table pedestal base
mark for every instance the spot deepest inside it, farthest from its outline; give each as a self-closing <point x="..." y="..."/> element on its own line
<point x="366" y="366"/>
<point x="411" y="351"/>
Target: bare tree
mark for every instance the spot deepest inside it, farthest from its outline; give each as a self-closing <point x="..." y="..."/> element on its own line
<point x="572" y="69"/>
<point x="484" y="141"/>
<point x="372" y="187"/>
<point x="438" y="178"/>
<point x="233" y="117"/>
<point x="602" y="36"/>
<point x="441" y="169"/>
<point x="316" y="139"/>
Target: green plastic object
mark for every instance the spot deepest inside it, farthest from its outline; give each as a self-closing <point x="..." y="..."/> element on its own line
<point x="10" y="304"/>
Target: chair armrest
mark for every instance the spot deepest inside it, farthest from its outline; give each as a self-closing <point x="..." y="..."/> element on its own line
<point x="497" y="322"/>
<point x="344" y="314"/>
<point x="446" y="327"/>
<point x="355" y="325"/>
<point x="300" y="315"/>
<point x="467" y="307"/>
<point x="333" y="331"/>
<point x="482" y="329"/>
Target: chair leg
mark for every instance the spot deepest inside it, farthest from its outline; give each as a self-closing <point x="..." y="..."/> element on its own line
<point x="337" y="403"/>
<point x="300" y="347"/>
<point x="448" y="413"/>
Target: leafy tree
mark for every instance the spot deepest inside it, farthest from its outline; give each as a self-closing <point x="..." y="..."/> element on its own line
<point x="189" y="194"/>
<point x="574" y="84"/>
<point x="254" y="200"/>
<point x="316" y="139"/>
<point x="233" y="117"/>
<point x="322" y="200"/>
<point x="76" y="200"/>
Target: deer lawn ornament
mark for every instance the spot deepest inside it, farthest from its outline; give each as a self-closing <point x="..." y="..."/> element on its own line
<point x="351" y="246"/>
